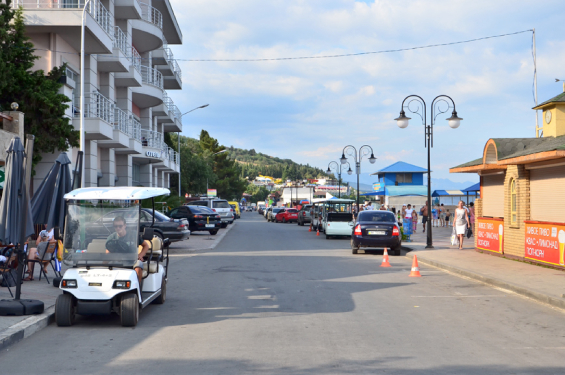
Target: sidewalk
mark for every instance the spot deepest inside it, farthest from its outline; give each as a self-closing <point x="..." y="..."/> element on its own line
<point x="546" y="285"/>
<point x="16" y="328"/>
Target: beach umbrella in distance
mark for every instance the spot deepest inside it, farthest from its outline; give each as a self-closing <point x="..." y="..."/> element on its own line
<point x="47" y="204"/>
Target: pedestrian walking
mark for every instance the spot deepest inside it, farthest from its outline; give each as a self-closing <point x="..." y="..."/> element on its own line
<point x="435" y="216"/>
<point x="447" y="218"/>
<point x="407" y="223"/>
<point x="414" y="220"/>
<point x="460" y="223"/>
<point x="424" y="211"/>
<point x="441" y="215"/>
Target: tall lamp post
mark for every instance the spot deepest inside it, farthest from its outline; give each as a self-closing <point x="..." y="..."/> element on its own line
<point x="437" y="108"/>
<point x="337" y="168"/>
<point x="178" y="138"/>
<point x="358" y="156"/>
<point x="81" y="98"/>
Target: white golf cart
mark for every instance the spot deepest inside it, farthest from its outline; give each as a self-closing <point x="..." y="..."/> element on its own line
<point x="101" y="241"/>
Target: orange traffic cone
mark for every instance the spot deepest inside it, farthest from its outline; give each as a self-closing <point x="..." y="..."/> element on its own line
<point x="318" y="232"/>
<point x="385" y="262"/>
<point x="415" y="271"/>
<point x="310" y="228"/>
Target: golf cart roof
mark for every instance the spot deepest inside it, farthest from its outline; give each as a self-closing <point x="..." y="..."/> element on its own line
<point x="116" y="193"/>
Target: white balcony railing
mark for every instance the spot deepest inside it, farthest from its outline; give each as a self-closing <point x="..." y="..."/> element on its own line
<point x="151" y="76"/>
<point x="176" y="70"/>
<point x="151" y="15"/>
<point x="153" y="139"/>
<point x="136" y="57"/>
<point x="98" y="106"/>
<point x="121" y="121"/>
<point x="135" y="128"/>
<point x="94" y="8"/>
<point x="174" y="111"/>
<point x="121" y="42"/>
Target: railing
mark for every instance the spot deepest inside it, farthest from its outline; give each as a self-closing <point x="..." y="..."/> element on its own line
<point x="174" y="111"/>
<point x="152" y="15"/>
<point x="95" y="8"/>
<point x="121" y="121"/>
<point x="151" y="76"/>
<point x="150" y="138"/>
<point x="135" y="129"/>
<point x="97" y="105"/>
<point x="168" y="54"/>
<point x="121" y="42"/>
<point x="176" y="70"/>
<point x="136" y="57"/>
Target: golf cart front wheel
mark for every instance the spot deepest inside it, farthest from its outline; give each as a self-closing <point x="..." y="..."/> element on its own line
<point x="129" y="310"/>
<point x="65" y="310"/>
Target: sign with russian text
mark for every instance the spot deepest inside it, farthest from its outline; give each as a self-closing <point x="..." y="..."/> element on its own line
<point x="545" y="242"/>
<point x="212" y="193"/>
<point x="490" y="234"/>
<point x="376" y="186"/>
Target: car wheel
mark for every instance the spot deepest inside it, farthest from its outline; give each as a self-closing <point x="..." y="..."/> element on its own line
<point x="224" y="225"/>
<point x="354" y="249"/>
<point x="129" y="310"/>
<point x="284" y="220"/>
<point x="213" y="232"/>
<point x="65" y="310"/>
<point x="327" y="237"/>
<point x="396" y="251"/>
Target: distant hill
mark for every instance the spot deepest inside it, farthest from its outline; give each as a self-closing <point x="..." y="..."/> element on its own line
<point x="254" y="163"/>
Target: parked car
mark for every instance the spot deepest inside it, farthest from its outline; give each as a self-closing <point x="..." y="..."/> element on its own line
<point x="236" y="209"/>
<point x="273" y="213"/>
<point x="304" y="214"/>
<point x="200" y="218"/>
<point x="221" y="206"/>
<point x="266" y="213"/>
<point x="377" y="229"/>
<point x="164" y="227"/>
<point x="260" y="211"/>
<point x="287" y="215"/>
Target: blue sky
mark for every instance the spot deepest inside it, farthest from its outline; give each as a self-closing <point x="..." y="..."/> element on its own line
<point x="308" y="110"/>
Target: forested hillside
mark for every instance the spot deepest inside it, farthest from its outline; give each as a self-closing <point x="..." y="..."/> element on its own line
<point x="252" y="164"/>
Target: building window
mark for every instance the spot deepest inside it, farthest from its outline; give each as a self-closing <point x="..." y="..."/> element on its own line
<point x="135" y="172"/>
<point x="513" y="203"/>
<point x="404" y="178"/>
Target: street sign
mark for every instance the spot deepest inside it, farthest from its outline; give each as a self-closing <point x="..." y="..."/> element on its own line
<point x="545" y="242"/>
<point x="490" y="234"/>
<point x="212" y="193"/>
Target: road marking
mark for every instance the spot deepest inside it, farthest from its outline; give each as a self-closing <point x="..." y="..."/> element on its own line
<point x="267" y="307"/>
<point x="461" y="296"/>
<point x="216" y="308"/>
<point x="261" y="297"/>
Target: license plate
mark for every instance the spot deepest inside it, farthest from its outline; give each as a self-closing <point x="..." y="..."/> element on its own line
<point x="210" y="225"/>
<point x="377" y="232"/>
<point x="94" y="284"/>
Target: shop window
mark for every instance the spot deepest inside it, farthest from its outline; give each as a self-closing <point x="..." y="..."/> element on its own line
<point x="404" y="178"/>
<point x="513" y="202"/>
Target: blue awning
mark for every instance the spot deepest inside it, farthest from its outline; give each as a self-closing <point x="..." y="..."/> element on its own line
<point x="373" y="193"/>
<point x="448" y="193"/>
<point x="407" y="191"/>
<point x="470" y="189"/>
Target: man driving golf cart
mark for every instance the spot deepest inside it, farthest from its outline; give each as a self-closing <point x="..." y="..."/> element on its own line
<point x="124" y="241"/>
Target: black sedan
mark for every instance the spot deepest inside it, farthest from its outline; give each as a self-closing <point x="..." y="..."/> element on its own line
<point x="200" y="218"/>
<point x="376" y="229"/>
<point x="164" y="227"/>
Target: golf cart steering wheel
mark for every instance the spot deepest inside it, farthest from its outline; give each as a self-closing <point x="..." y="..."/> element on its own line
<point x="117" y="246"/>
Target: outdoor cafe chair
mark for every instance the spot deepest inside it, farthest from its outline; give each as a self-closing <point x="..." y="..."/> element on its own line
<point x="6" y="269"/>
<point x="47" y="258"/>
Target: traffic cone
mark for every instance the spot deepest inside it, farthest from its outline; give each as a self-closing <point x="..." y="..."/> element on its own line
<point x="385" y="262"/>
<point x="310" y="228"/>
<point x="415" y="271"/>
<point x="318" y="232"/>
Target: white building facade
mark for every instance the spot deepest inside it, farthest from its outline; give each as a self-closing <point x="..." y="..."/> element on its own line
<point x="128" y="68"/>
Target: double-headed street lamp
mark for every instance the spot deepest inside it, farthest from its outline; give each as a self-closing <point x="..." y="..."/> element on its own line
<point x="436" y="109"/>
<point x="337" y="168"/>
<point x="178" y="136"/>
<point x="352" y="151"/>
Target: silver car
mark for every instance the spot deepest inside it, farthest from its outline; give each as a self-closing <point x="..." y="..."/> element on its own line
<point x="220" y="206"/>
<point x="272" y="213"/>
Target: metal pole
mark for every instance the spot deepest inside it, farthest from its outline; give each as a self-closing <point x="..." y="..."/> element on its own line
<point x="339" y="183"/>
<point x="536" y="82"/>
<point x="358" y="171"/>
<point x="178" y="150"/>
<point x="429" y="240"/>
<point x="81" y="100"/>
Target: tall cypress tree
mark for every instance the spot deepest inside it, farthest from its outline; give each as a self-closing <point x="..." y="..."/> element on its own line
<point x="36" y="93"/>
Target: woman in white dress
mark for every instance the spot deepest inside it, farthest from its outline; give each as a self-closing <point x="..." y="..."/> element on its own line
<point x="460" y="222"/>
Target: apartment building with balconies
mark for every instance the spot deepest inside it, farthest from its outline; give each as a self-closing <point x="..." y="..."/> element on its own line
<point x="128" y="68"/>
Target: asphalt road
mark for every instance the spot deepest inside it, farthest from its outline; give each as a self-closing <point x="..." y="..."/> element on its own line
<point x="273" y="298"/>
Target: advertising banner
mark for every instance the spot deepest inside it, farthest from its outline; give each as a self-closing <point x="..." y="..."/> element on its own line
<point x="545" y="242"/>
<point x="376" y="186"/>
<point x="212" y="193"/>
<point x="490" y="234"/>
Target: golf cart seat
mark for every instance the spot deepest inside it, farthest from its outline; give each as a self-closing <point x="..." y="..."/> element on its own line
<point x="157" y="246"/>
<point x="98" y="245"/>
<point x="153" y="268"/>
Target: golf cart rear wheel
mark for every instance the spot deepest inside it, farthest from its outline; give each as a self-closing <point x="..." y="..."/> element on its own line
<point x="161" y="299"/>
<point x="129" y="310"/>
<point x="65" y="310"/>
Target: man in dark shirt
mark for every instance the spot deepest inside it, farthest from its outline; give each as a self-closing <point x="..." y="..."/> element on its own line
<point x="424" y="213"/>
<point x="128" y="241"/>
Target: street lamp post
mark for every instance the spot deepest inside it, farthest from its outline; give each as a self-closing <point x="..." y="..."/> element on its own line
<point x="81" y="98"/>
<point x="178" y="138"/>
<point x="436" y="109"/>
<point x="358" y="156"/>
<point x="337" y="168"/>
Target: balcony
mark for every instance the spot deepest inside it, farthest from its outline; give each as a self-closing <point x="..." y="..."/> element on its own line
<point x="98" y="117"/>
<point x="63" y="17"/>
<point x="147" y="33"/>
<point x="172" y="120"/>
<point x="121" y="57"/>
<point x="127" y="9"/>
<point x="151" y="93"/>
<point x="165" y="62"/>
<point x="171" y="28"/>
<point x="133" y="76"/>
<point x="120" y="124"/>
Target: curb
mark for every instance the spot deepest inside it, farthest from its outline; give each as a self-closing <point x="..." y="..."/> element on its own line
<point x="540" y="297"/>
<point x="26" y="328"/>
<point x="216" y="243"/>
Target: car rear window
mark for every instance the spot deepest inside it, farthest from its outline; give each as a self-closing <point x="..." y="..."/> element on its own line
<point x="161" y="217"/>
<point x="197" y="203"/>
<point x="292" y="210"/>
<point x="220" y="204"/>
<point x="378" y="216"/>
<point x="276" y="210"/>
<point x="200" y="210"/>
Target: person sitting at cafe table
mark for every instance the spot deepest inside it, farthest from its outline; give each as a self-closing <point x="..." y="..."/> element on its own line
<point x="37" y="252"/>
<point x="124" y="241"/>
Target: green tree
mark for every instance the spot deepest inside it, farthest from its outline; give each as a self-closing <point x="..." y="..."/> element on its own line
<point x="36" y="93"/>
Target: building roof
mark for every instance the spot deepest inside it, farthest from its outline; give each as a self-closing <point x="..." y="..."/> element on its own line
<point x="443" y="193"/>
<point x="471" y="163"/>
<point x="473" y="188"/>
<point x="401" y="167"/>
<point x="557" y="99"/>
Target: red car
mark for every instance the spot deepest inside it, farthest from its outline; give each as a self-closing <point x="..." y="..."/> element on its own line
<point x="287" y="215"/>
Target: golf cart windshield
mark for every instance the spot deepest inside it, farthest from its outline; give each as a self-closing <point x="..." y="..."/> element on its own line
<point x="101" y="233"/>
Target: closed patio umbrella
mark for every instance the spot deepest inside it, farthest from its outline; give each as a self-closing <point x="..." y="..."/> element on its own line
<point x="47" y="204"/>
